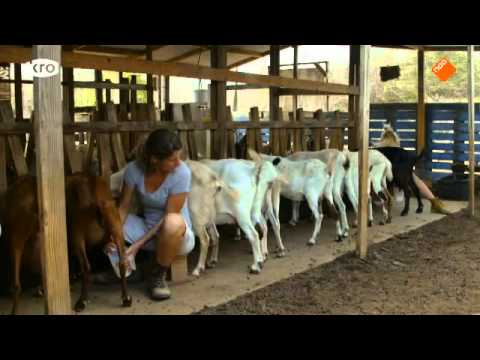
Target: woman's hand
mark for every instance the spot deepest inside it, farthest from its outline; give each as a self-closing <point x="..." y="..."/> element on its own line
<point x="132" y="250"/>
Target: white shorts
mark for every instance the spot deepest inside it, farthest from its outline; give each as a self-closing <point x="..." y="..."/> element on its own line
<point x="135" y="228"/>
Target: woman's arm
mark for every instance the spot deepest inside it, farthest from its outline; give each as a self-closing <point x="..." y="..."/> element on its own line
<point x="125" y="201"/>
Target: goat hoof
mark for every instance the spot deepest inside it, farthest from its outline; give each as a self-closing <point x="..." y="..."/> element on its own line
<point x="196" y="273"/>
<point x="292" y="223"/>
<point x="389" y="220"/>
<point x="81" y="305"/>
<point x="370" y="223"/>
<point x="381" y="223"/>
<point x="419" y="210"/>
<point x="310" y="243"/>
<point x="281" y="254"/>
<point x="339" y="239"/>
<point x="211" y="264"/>
<point x="255" y="270"/>
<point x="404" y="213"/>
<point x="127" y="302"/>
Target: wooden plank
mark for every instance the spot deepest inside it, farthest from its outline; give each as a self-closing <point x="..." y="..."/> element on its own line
<point x="98" y="91"/>
<point x="16" y="149"/>
<point x="118" y="152"/>
<point x="218" y="56"/>
<point x="257" y="133"/>
<point x="364" y="103"/>
<point x="51" y="196"/>
<point x="231" y="149"/>
<point x="192" y="144"/>
<point x="73" y="157"/>
<point x="471" y="130"/>
<point x="319" y="134"/>
<point x="283" y="133"/>
<point x="303" y="133"/>
<point x="84" y="61"/>
<point x="146" y="126"/>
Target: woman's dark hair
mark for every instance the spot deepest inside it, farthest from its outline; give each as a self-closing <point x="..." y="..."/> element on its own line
<point x="161" y="144"/>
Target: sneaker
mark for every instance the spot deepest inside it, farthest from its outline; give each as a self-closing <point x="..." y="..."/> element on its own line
<point x="438" y="207"/>
<point x="158" y="284"/>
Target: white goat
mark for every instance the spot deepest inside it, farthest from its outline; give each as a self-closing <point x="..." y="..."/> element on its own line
<point x="309" y="179"/>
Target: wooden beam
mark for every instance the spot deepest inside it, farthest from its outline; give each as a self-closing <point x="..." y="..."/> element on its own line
<point x="218" y="56"/>
<point x="471" y="130"/>
<point x="149" y="126"/>
<point x="363" y="170"/>
<point x="108" y="50"/>
<point x="251" y="53"/>
<point x="51" y="182"/>
<point x="183" y="70"/>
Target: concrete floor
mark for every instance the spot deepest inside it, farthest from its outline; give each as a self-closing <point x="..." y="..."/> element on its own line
<point x="231" y="279"/>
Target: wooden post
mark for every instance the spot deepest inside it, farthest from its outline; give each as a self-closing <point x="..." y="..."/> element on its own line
<point x="231" y="150"/>
<point x="149" y="78"/>
<point x="192" y="144"/>
<point x="118" y="152"/>
<point x="123" y="114"/>
<point x="364" y="102"/>
<point x="18" y="92"/>
<point x="3" y="167"/>
<point x="274" y="99"/>
<point x="14" y="141"/>
<point x="303" y="132"/>
<point x="421" y="124"/>
<point x="353" y="103"/>
<point x="254" y="136"/>
<point x="218" y="57"/>
<point x="99" y="92"/>
<point x="167" y="91"/>
<point x="471" y="130"/>
<point x="51" y="185"/>
<point x="319" y="134"/>
<point x="74" y="159"/>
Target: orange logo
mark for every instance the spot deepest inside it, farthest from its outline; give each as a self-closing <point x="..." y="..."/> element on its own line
<point x="444" y="69"/>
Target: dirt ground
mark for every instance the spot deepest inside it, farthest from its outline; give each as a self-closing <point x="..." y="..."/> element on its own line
<point x="432" y="270"/>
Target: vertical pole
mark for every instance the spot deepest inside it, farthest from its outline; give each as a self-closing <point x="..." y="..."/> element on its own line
<point x="219" y="103"/>
<point x="471" y="130"/>
<point x="352" y="99"/>
<point x="51" y="185"/>
<point x="364" y="102"/>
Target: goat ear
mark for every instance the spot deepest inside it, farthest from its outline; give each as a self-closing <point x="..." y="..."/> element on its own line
<point x="277" y="161"/>
<point x="254" y="156"/>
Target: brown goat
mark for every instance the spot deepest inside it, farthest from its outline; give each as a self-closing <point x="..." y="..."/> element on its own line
<point x="21" y="231"/>
<point x="93" y="220"/>
<point x="92" y="217"/>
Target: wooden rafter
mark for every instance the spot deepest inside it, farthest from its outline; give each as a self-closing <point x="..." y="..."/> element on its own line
<point x="252" y="58"/>
<point x="83" y="61"/>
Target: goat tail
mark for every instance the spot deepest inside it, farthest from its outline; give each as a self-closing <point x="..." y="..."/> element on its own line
<point x="388" y="172"/>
